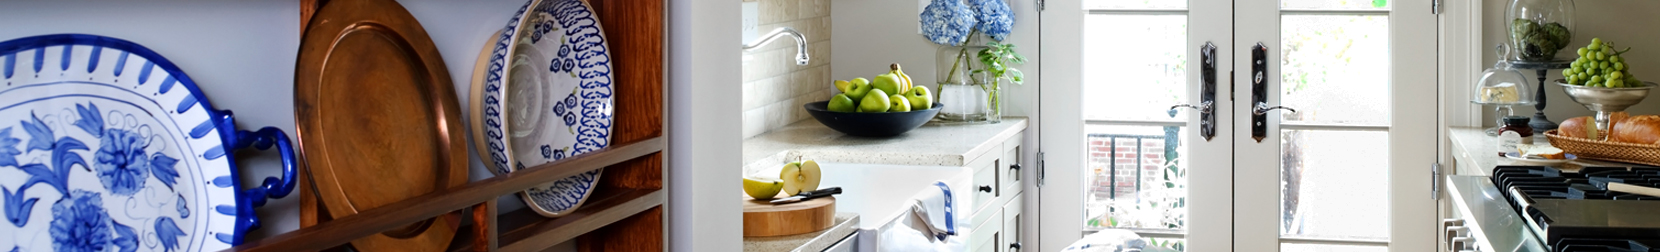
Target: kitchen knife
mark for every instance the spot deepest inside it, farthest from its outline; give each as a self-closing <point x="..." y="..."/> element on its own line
<point x="804" y="196"/>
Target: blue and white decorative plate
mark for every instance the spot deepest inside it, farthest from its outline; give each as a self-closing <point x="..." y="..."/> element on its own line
<point x="107" y="146"/>
<point x="546" y="96"/>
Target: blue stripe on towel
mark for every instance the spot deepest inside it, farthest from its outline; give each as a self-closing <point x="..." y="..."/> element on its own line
<point x="950" y="227"/>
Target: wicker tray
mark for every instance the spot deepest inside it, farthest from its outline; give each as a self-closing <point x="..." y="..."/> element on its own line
<point x="1648" y="154"/>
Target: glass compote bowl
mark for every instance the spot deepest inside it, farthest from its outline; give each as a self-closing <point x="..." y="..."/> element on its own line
<point x="1605" y="101"/>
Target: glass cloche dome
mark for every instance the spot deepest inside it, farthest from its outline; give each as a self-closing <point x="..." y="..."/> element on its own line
<point x="1503" y="85"/>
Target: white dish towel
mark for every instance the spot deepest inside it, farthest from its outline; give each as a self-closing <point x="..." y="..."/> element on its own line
<point x="936" y="210"/>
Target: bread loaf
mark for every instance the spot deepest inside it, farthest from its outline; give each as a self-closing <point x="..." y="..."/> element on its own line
<point x="1585" y="126"/>
<point x="1643" y="129"/>
<point x="1577" y="127"/>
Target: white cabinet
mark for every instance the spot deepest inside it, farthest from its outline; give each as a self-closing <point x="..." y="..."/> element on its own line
<point x="997" y="203"/>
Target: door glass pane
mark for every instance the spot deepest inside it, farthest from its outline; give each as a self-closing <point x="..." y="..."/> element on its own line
<point x="1136" y="177"/>
<point x="1334" y="184"/>
<point x="1134" y="79"/>
<point x="1334" y="5"/>
<point x="1335" y="68"/>
<point x="1305" y="247"/>
<point x="1135" y="4"/>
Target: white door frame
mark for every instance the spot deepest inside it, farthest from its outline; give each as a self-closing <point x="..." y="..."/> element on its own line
<point x="1210" y="204"/>
<point x="1063" y="151"/>
<point x="1414" y="130"/>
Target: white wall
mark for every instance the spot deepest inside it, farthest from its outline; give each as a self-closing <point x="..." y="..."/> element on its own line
<point x="1629" y="23"/>
<point x="242" y="55"/>
<point x="704" y="123"/>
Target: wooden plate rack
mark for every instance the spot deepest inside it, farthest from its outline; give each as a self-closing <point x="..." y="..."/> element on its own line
<point x="625" y="212"/>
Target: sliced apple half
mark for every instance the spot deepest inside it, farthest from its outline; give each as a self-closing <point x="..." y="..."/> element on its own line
<point x="791" y="175"/>
<point x="810" y="175"/>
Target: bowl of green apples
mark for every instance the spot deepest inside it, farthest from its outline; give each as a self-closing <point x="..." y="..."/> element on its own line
<point x="890" y="106"/>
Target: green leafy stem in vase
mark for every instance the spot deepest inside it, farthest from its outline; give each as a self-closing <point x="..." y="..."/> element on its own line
<point x="998" y="58"/>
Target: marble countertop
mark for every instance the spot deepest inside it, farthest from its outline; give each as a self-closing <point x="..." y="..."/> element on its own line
<point x="935" y="143"/>
<point x="846" y="225"/>
<point x="1477" y="153"/>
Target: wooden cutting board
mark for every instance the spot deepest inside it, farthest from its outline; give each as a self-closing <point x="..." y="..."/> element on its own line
<point x="762" y="218"/>
<point x="377" y="117"/>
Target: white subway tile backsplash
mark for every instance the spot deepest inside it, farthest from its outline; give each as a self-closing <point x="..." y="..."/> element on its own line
<point x="775" y="88"/>
<point x="814" y="8"/>
<point x="755" y="122"/>
<point x="750" y="91"/>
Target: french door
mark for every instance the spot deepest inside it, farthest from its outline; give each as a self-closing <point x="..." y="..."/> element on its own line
<point x="1344" y="166"/>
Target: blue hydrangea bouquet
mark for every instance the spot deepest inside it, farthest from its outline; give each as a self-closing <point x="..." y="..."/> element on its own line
<point x="956" y="22"/>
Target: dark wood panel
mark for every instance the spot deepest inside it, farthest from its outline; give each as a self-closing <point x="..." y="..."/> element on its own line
<point x="397" y="214"/>
<point x="634" y="31"/>
<point x="637" y="33"/>
<point x="632" y="228"/>
<point x="539" y="233"/>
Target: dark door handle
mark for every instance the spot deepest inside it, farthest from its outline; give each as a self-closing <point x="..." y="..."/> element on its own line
<point x="1259" y="93"/>
<point x="1014" y="245"/>
<point x="985" y="188"/>
<point x="1014" y="167"/>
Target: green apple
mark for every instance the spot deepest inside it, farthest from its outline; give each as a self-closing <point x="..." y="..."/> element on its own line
<point x="841" y="103"/>
<point x="800" y="177"/>
<point x="762" y="188"/>
<point x="860" y="88"/>
<point x="920" y="98"/>
<point x="900" y="104"/>
<point x="844" y="86"/>
<point x="875" y="102"/>
<point x="888" y="82"/>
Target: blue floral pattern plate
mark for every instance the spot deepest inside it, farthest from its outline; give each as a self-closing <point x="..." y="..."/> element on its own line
<point x="107" y="146"/>
<point x="546" y="96"/>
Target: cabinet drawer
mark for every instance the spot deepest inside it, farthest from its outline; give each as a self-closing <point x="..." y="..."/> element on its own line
<point x="1010" y="167"/>
<point x="985" y="237"/>
<point x="984" y="187"/>
<point x="1012" y="214"/>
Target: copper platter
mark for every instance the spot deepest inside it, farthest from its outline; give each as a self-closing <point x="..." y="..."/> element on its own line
<point x="377" y="117"/>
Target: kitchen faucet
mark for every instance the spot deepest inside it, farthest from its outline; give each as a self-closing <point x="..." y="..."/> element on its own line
<point x="800" y="43"/>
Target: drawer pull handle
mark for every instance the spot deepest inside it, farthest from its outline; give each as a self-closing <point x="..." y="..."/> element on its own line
<point x="985" y="188"/>
<point x="1014" y="167"/>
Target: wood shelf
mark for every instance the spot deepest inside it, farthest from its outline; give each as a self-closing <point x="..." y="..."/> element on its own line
<point x="524" y="230"/>
<point x="373" y="221"/>
<point x="625" y="212"/>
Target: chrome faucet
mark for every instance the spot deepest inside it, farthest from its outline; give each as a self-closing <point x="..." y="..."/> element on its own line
<point x="800" y="42"/>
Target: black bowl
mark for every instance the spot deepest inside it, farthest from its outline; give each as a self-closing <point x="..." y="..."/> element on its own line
<point x="884" y="124"/>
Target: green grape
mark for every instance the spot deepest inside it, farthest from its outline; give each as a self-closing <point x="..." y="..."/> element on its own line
<point x="1594" y="46"/>
<point x="1596" y="79"/>
<point x="1596" y="41"/>
<point x="1582" y="51"/>
<point x="1601" y="56"/>
<point x="1616" y="58"/>
<point x="1620" y="66"/>
<point x="1616" y="75"/>
<point x="1603" y="65"/>
<point x="1573" y="80"/>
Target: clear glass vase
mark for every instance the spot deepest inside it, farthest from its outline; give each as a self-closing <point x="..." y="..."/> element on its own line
<point x="963" y="91"/>
<point x="993" y="89"/>
<point x="1539" y="29"/>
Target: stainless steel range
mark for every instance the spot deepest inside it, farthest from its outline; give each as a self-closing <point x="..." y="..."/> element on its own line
<point x="1530" y="208"/>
